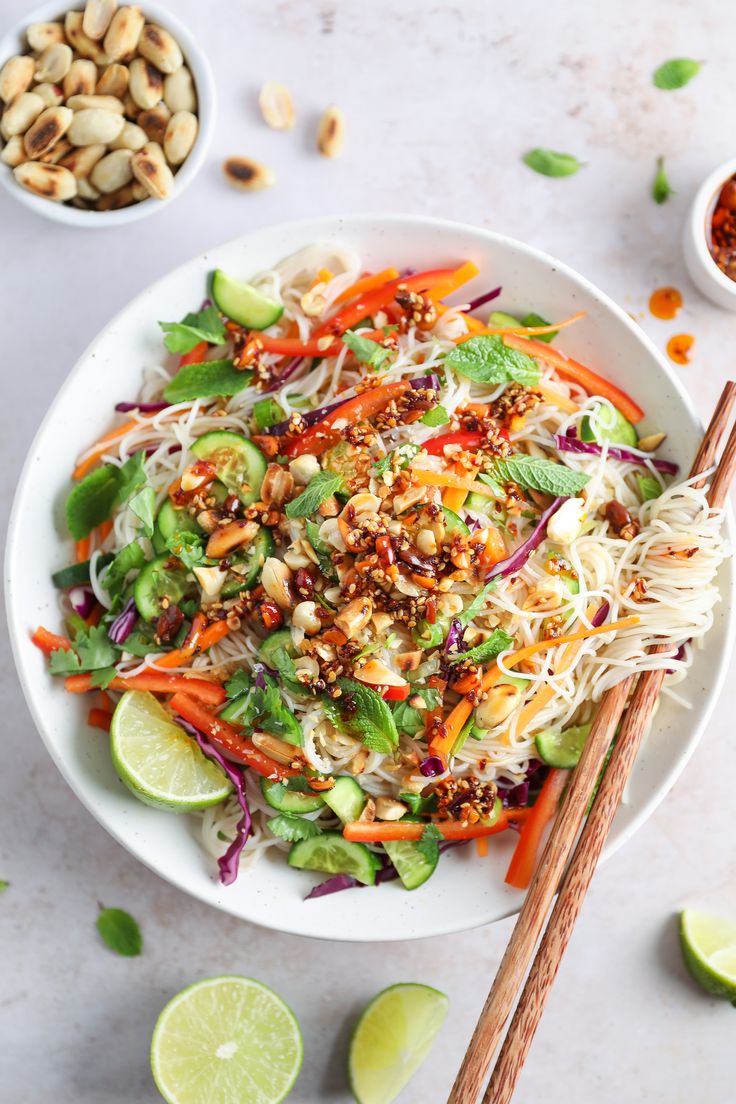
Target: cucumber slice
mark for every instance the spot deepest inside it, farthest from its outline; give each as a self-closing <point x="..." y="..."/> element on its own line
<point x="333" y="854"/>
<point x="501" y="318"/>
<point x="279" y="796"/>
<point x="610" y="428"/>
<point x="562" y="749"/>
<point x="78" y="574"/>
<point x="169" y="520"/>
<point x="157" y="580"/>
<point x="564" y="571"/>
<point x="274" y="650"/>
<point x="246" y="569"/>
<point x="266" y="413"/>
<point x="244" y="303"/>
<point x="479" y="503"/>
<point x="453" y="521"/>
<point x="240" y="465"/>
<point x="413" y="867"/>
<point x="346" y="799"/>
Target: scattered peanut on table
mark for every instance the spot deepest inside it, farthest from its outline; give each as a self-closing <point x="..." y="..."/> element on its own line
<point x="102" y="110"/>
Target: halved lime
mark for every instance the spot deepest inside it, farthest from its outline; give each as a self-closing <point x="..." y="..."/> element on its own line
<point x="158" y="761"/>
<point x="391" y="1040"/>
<point x="709" y="949"/>
<point x="226" y="1040"/>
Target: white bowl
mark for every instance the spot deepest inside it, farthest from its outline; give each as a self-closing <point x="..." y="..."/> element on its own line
<point x="464" y="892"/>
<point x="14" y="42"/>
<point x="704" y="272"/>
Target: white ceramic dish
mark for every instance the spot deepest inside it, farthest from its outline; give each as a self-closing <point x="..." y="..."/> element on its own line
<point x="14" y="42"/>
<point x="704" y="272"/>
<point x="465" y="892"/>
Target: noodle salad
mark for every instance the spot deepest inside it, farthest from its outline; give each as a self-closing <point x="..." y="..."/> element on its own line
<point x="355" y="570"/>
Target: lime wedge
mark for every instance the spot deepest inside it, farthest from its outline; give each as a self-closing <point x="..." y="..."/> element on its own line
<point x="158" y="761"/>
<point x="226" y="1040"/>
<point x="709" y="949"/>
<point x="392" y="1039"/>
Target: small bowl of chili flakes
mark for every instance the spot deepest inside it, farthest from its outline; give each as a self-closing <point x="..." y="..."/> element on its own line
<point x="709" y="238"/>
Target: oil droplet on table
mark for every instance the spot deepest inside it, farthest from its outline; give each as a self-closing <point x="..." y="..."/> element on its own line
<point x="665" y="302"/>
<point x="679" y="346"/>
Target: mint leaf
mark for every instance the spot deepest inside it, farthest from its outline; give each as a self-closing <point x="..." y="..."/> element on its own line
<point x="477" y="605"/>
<point x="363" y="713"/>
<point x="404" y="454"/>
<point x="239" y="683"/>
<point x="409" y="720"/>
<point x="120" y="932"/>
<point x="540" y="475"/>
<point x="661" y="189"/>
<point x="499" y="641"/>
<point x="63" y="661"/>
<point x="649" y="487"/>
<point x="92" y="500"/>
<point x="205" y="325"/>
<point x="675" y="73"/>
<point x="489" y="360"/>
<point x="143" y="506"/>
<point x="131" y="476"/>
<point x="291" y="827"/>
<point x="189" y="548"/>
<point x="551" y="163"/>
<point x="437" y="416"/>
<point x="321" y="486"/>
<point x="206" y="380"/>
<point x="367" y="351"/>
<point x="130" y="558"/>
<point x="429" y="845"/>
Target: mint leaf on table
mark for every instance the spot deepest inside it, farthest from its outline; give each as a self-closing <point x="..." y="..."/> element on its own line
<point x="537" y="474"/>
<point x="367" y="351"/>
<point x="321" y="486"/>
<point x="661" y="189"/>
<point x="289" y="826"/>
<point x="207" y="380"/>
<point x="675" y="73"/>
<point x="488" y="360"/>
<point x="205" y="325"/>
<point x="363" y="714"/>
<point x="437" y="416"/>
<point x="120" y="932"/>
<point x="551" y="163"/>
<point x="499" y="641"/>
<point x="429" y="844"/>
<point x="3" y="885"/>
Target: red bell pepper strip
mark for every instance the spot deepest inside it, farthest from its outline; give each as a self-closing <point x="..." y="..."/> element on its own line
<point x="195" y="355"/>
<point x="573" y="370"/>
<point x="209" y="692"/>
<point x="318" y="438"/>
<point x="99" y="718"/>
<point x="467" y="439"/>
<point x="50" y="642"/>
<point x="524" y="858"/>
<point x="228" y="740"/>
<point x="396" y="693"/>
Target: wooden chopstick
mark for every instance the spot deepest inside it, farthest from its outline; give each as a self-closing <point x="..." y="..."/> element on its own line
<point x="567" y="824"/>
<point x="598" y="824"/>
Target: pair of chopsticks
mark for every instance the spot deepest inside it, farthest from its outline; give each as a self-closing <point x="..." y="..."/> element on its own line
<point x="571" y="884"/>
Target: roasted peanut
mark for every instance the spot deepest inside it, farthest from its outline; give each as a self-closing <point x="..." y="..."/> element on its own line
<point x="160" y="48"/>
<point x="82" y="43"/>
<point x="303" y="468"/>
<point x="55" y="153"/>
<point x="131" y="137"/>
<point x="48" y="128"/>
<point x="49" y="181"/>
<point x="113" y="81"/>
<point x="41" y="35"/>
<point x="146" y="84"/>
<point x="15" y="77"/>
<point x="112" y="172"/>
<point x="155" y="122"/>
<point x="179" y="137"/>
<point x="236" y="534"/>
<point x="54" y="63"/>
<point x="248" y="175"/>
<point x="179" y="94"/>
<point x="81" y="78"/>
<point x="51" y="94"/>
<point x="13" y="152"/>
<point x="499" y="704"/>
<point x="122" y="36"/>
<point x="354" y="616"/>
<point x="97" y="17"/>
<point x="85" y="190"/>
<point x="150" y="170"/>
<point x="331" y="132"/>
<point x="21" y="113"/>
<point x="277" y="749"/>
<point x="304" y="616"/>
<point x="93" y="125"/>
<point x="276" y="580"/>
<point x="80" y="162"/>
<point x="277" y="486"/>
<point x="388" y="808"/>
<point x="93" y="102"/>
<point x="123" y="197"/>
<point x="378" y="674"/>
<point x="546" y="596"/>
<point x="276" y="106"/>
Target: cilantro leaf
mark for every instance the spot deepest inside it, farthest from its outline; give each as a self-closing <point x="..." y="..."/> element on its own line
<point x="477" y="605"/>
<point x="540" y="474"/>
<point x="290" y="827"/>
<point x="363" y="713"/>
<point x="189" y="548"/>
<point x="120" y="932"/>
<point x="321" y="486"/>
<point x="408" y="719"/>
<point x="437" y="416"/>
<point x="661" y="188"/>
<point x="429" y="845"/>
<point x="649" y="487"/>
<point x="367" y="351"/>
<point x="63" y="661"/>
<point x="417" y="804"/>
<point x="551" y="163"/>
<point x="206" y="381"/>
<point x="239" y="683"/>
<point x="130" y="558"/>
<point x="95" y="649"/>
<point x="131" y="476"/>
<point x="488" y="360"/>
<point x="499" y="641"/>
<point x="205" y="325"/>
<point x="675" y="73"/>
<point x="103" y="676"/>
<point x="404" y="454"/>
<point x="143" y="506"/>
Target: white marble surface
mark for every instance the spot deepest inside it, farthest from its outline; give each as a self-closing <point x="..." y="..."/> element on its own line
<point x="441" y="100"/>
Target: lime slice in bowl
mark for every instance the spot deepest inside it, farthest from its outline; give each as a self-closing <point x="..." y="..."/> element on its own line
<point x="226" y="1039"/>
<point x="709" y="949"/>
<point x="391" y="1040"/>
<point x="158" y="761"/>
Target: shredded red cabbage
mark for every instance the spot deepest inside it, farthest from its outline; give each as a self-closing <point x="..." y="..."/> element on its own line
<point x="311" y="417"/>
<point x="481" y="299"/>
<point x="124" y="623"/>
<point x="141" y="407"/>
<point x="230" y="861"/>
<point x="82" y="599"/>
<point x="600" y="615"/>
<point x="573" y="444"/>
<point x="432" y="382"/>
<point x="288" y="371"/>
<point x="454" y="642"/>
<point x="335" y="884"/>
<point x="431" y="766"/>
<point x="518" y="558"/>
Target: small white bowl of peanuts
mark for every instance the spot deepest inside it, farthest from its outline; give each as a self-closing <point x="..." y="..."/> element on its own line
<point x="107" y="111"/>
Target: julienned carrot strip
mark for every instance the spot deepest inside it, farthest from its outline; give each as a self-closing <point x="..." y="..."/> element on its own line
<point x="156" y="683"/>
<point x="572" y="369"/>
<point x="454" y="498"/>
<point x="99" y="718"/>
<point x="459" y="276"/>
<point x="524" y="858"/>
<point x="81" y="549"/>
<point x="459" y="715"/>
<point x="200" y="642"/>
<point x="228" y="739"/>
<point x="378" y="830"/>
<point x="556" y="399"/>
<point x="50" y="642"/>
<point x="101" y="448"/>
<point x="528" y="331"/>
<point x="481" y="846"/>
<point x="104" y="530"/>
<point x="366" y="305"/>
<point x="367" y="283"/>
